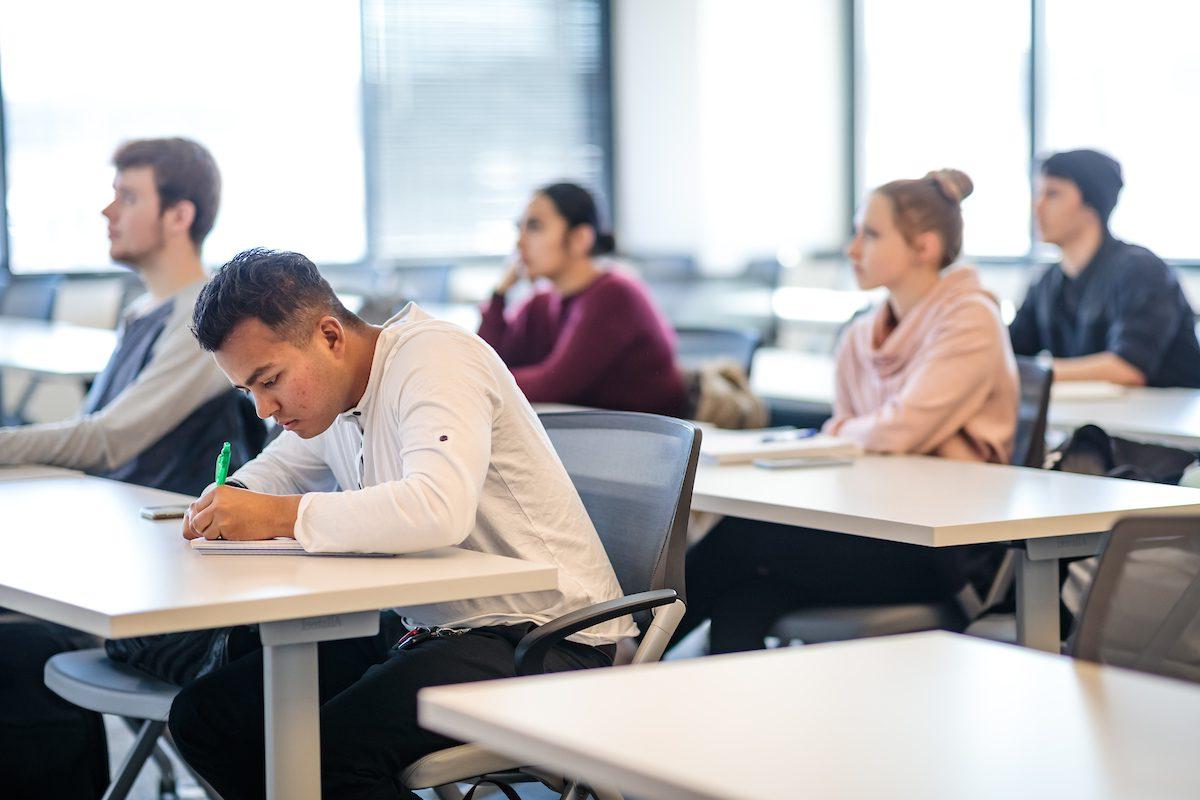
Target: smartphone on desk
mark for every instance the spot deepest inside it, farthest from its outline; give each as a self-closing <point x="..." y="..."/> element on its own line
<point x="794" y="463"/>
<point x="163" y="512"/>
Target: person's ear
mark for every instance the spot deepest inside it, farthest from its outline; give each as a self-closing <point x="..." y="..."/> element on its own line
<point x="580" y="241"/>
<point x="179" y="217"/>
<point x="332" y="334"/>
<point x="928" y="246"/>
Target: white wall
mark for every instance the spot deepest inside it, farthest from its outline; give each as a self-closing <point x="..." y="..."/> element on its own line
<point x="730" y="127"/>
<point x="656" y="120"/>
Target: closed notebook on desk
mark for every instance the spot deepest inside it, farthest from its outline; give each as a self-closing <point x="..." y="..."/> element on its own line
<point x="267" y="547"/>
<point x="1085" y="390"/>
<point x="742" y="447"/>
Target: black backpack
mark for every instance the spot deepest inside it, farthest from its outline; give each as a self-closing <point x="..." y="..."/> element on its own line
<point x="1091" y="451"/>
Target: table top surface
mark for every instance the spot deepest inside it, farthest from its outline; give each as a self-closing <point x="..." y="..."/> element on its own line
<point x="922" y="715"/>
<point x="54" y="348"/>
<point x="933" y="501"/>
<point x="77" y="552"/>
<point x="32" y="471"/>
<point x="1170" y="415"/>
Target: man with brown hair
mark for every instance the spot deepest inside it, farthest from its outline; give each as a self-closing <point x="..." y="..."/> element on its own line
<point x="160" y="407"/>
<point x="157" y="415"/>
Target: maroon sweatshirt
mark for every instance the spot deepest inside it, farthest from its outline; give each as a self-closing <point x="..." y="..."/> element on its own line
<point x="607" y="346"/>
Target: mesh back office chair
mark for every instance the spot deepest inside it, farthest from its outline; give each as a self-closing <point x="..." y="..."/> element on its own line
<point x="666" y="268"/>
<point x="856" y="622"/>
<point x="427" y="284"/>
<point x="634" y="473"/>
<point x="695" y="346"/>
<point x="1143" y="609"/>
<point x="763" y="271"/>
<point x="28" y="297"/>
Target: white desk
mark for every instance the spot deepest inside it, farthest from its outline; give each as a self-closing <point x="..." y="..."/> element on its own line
<point x="50" y="349"/>
<point x="1171" y="416"/>
<point x="76" y="552"/>
<point x="937" y="503"/>
<point x="930" y="715"/>
<point x="54" y="348"/>
<point x="35" y="471"/>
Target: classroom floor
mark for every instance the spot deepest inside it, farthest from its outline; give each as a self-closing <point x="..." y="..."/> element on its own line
<point x="120" y="739"/>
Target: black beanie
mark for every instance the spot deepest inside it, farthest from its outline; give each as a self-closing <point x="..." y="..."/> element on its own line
<point x="1098" y="177"/>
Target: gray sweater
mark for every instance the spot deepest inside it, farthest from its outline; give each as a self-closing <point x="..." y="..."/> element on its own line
<point x="158" y="397"/>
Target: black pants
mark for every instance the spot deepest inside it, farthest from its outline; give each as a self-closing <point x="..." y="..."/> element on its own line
<point x="368" y="695"/>
<point x="744" y="575"/>
<point x="48" y="747"/>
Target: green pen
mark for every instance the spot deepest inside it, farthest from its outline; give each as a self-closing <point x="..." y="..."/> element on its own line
<point x="223" y="465"/>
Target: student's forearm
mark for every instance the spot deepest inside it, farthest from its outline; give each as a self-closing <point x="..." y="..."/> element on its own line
<point x="1104" y="366"/>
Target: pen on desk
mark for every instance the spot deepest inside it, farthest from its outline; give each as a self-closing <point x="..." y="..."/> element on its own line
<point x="223" y="465"/>
<point x="787" y="436"/>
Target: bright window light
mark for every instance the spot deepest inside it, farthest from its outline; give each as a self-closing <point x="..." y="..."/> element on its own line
<point x="944" y="84"/>
<point x="1122" y="78"/>
<point x="272" y="88"/>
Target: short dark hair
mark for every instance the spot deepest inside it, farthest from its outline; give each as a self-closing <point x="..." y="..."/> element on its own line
<point x="283" y="290"/>
<point x="183" y="170"/>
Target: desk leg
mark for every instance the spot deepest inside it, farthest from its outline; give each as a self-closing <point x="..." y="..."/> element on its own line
<point x="1037" y="603"/>
<point x="1037" y="586"/>
<point x="292" y="715"/>
<point x="292" y="707"/>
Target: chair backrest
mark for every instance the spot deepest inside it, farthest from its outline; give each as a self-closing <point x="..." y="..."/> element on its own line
<point x="424" y="284"/>
<point x="1143" y="609"/>
<point x="634" y="473"/>
<point x="666" y="268"/>
<point x="763" y="271"/>
<point x="1029" y="450"/>
<point x="29" y="296"/>
<point x="694" y="346"/>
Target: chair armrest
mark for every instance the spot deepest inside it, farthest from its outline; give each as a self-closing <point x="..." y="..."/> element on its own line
<point x="533" y="647"/>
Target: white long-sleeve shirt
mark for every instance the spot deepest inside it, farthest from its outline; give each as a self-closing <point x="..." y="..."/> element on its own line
<point x="178" y="379"/>
<point x="443" y="449"/>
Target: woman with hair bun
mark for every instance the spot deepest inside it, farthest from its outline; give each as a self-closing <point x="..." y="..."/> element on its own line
<point x="929" y="372"/>
<point x="594" y="337"/>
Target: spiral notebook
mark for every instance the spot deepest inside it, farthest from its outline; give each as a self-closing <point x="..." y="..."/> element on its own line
<point x="268" y="547"/>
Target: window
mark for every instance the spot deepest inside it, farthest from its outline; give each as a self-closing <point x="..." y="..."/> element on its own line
<point x="471" y="105"/>
<point x="943" y="83"/>
<point x="1122" y="78"/>
<point x="272" y="88"/>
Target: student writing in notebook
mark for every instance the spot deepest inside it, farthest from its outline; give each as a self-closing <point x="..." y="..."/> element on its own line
<point x="595" y="337"/>
<point x="931" y="372"/>
<point x="399" y="438"/>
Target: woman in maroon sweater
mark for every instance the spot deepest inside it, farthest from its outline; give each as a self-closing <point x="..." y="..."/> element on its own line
<point x="595" y="337"/>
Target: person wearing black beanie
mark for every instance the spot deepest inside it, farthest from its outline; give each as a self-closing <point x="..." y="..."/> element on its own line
<point x="1096" y="176"/>
<point x="1109" y="310"/>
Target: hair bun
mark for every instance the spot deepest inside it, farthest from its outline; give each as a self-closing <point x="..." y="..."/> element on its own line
<point x="955" y="184"/>
<point x="605" y="244"/>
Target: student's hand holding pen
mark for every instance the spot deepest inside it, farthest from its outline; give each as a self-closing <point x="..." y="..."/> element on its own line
<point x="227" y="512"/>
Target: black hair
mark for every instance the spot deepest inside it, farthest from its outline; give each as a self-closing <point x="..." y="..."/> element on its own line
<point x="284" y="290"/>
<point x="578" y="207"/>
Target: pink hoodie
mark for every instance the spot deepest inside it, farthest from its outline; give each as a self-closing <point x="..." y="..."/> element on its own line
<point x="943" y="382"/>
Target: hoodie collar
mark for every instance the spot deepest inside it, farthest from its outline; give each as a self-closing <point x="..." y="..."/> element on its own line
<point x="892" y="344"/>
